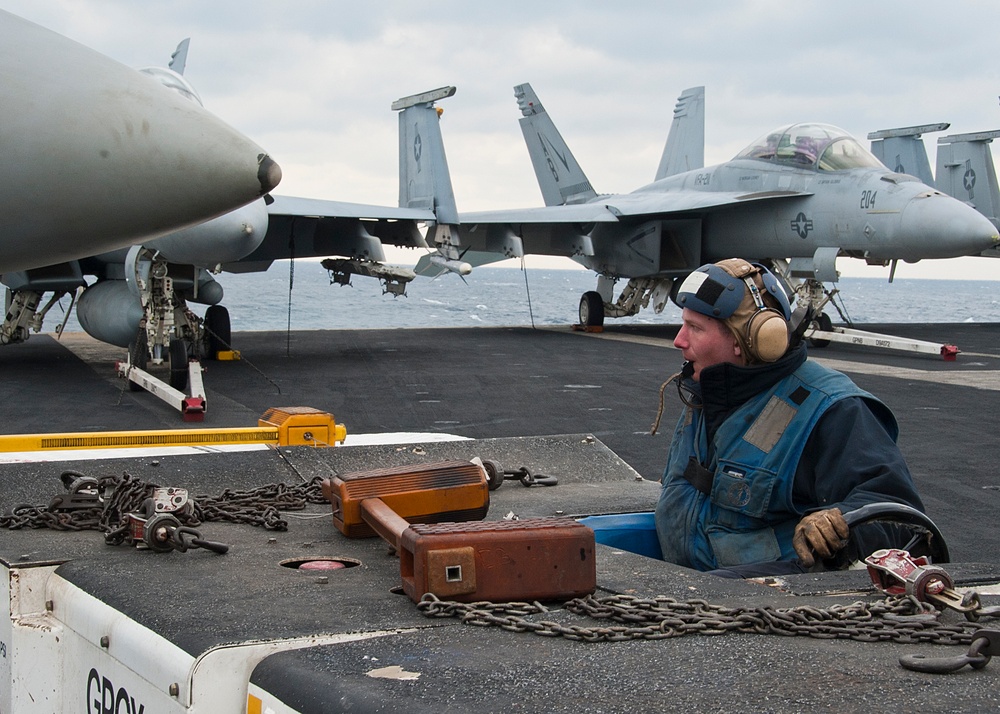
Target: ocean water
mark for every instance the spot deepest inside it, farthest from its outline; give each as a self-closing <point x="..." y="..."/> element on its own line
<point x="302" y="298"/>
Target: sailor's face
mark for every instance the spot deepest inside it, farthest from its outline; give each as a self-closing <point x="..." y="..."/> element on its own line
<point x="705" y="341"/>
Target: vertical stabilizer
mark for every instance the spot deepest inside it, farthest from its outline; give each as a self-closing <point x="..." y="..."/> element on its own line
<point x="965" y="171"/>
<point x="178" y="60"/>
<point x="559" y="175"/>
<point x="424" y="180"/>
<point x="903" y="151"/>
<point x="685" y="149"/>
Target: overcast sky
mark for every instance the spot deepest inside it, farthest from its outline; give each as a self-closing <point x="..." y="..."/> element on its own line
<point x="312" y="80"/>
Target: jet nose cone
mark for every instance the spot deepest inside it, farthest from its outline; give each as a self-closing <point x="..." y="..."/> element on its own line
<point x="268" y="173"/>
<point x="939" y="226"/>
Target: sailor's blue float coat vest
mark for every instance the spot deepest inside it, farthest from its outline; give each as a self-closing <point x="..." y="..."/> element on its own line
<point x="744" y="512"/>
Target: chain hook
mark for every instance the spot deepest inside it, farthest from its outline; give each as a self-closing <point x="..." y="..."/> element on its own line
<point x="985" y="644"/>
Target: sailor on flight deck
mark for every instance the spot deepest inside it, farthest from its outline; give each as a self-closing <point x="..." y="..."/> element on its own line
<point x="772" y="448"/>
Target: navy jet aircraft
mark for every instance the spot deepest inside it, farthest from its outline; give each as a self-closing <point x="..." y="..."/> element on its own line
<point x="141" y="296"/>
<point x="799" y="197"/>
<point x="98" y="156"/>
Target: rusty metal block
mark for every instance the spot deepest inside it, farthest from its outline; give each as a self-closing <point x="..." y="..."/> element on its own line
<point x="424" y="493"/>
<point x="500" y="561"/>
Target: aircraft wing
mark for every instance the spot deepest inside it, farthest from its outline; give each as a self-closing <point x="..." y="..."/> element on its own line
<point x="639" y="204"/>
<point x="319" y="208"/>
<point x="595" y="212"/>
<point x="612" y="208"/>
<point x="316" y="228"/>
<point x="564" y="230"/>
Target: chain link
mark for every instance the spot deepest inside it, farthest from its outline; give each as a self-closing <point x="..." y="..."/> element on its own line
<point x="125" y="494"/>
<point x="901" y="619"/>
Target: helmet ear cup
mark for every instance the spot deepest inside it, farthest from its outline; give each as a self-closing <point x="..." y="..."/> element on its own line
<point x="767" y="335"/>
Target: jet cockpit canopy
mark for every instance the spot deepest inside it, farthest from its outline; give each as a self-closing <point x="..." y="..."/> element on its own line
<point x="173" y="81"/>
<point x="819" y="146"/>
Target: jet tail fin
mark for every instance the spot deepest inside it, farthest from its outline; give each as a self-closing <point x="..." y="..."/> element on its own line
<point x="965" y="171"/>
<point x="178" y="60"/>
<point x="560" y="177"/>
<point x="903" y="151"/>
<point x="685" y="148"/>
<point x="424" y="179"/>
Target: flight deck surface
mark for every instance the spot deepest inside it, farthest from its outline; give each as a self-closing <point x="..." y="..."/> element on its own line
<point x="576" y="406"/>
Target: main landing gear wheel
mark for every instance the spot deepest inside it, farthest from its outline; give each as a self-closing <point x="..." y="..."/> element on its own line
<point x="218" y="331"/>
<point x="178" y="354"/>
<point x="824" y="323"/>
<point x="592" y="309"/>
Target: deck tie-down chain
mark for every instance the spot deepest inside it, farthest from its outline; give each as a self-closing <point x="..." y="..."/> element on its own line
<point x="497" y="474"/>
<point x="105" y="504"/>
<point x="902" y="619"/>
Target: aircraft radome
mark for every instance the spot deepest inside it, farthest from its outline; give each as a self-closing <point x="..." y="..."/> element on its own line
<point x="98" y="156"/>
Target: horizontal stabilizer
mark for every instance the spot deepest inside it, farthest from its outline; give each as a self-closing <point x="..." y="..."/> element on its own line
<point x="427" y="268"/>
<point x="902" y="150"/>
<point x="320" y="208"/>
<point x="685" y="148"/>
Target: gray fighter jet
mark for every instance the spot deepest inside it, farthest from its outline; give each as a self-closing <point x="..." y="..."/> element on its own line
<point x="98" y="156"/>
<point x="800" y="197"/>
<point x="141" y="295"/>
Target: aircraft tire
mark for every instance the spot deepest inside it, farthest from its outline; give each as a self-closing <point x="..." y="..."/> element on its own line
<point x="218" y="331"/>
<point x="178" y="353"/>
<point x="138" y="355"/>
<point x="592" y="309"/>
<point x="824" y="323"/>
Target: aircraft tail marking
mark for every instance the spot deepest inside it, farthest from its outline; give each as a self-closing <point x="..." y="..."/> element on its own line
<point x="424" y="179"/>
<point x="560" y="177"/>
<point x="685" y="148"/>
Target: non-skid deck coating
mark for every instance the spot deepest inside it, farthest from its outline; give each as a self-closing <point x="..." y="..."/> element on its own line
<point x="527" y="398"/>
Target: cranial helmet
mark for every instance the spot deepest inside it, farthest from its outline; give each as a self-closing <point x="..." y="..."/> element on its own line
<point x="748" y="299"/>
